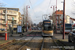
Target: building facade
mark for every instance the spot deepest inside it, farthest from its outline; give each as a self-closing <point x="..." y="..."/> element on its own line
<point x="58" y="17"/>
<point x="72" y="20"/>
<point x="11" y="13"/>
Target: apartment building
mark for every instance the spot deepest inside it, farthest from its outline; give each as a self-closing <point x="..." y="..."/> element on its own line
<point x="67" y="18"/>
<point x="11" y="13"/>
<point x="56" y="17"/>
<point x="72" y="20"/>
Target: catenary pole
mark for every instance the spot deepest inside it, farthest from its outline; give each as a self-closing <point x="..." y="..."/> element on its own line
<point x="6" y="24"/>
<point x="56" y="16"/>
<point x="64" y="19"/>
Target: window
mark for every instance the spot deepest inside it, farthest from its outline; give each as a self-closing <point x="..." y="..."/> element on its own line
<point x="47" y="26"/>
<point x="57" y="17"/>
<point x="14" y="22"/>
<point x="60" y="21"/>
<point x="4" y="11"/>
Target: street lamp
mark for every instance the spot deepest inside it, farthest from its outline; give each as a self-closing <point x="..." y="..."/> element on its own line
<point x="27" y="16"/>
<point x="55" y="21"/>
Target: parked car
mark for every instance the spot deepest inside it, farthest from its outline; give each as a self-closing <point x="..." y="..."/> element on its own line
<point x="71" y="36"/>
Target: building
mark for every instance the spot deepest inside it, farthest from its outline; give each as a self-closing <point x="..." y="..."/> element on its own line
<point x="11" y="13"/>
<point x="58" y="15"/>
<point x="67" y="18"/>
<point x="72" y="20"/>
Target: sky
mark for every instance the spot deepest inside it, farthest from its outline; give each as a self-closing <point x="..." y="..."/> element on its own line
<point x="40" y="7"/>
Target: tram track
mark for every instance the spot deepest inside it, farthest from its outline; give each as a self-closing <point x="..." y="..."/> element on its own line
<point x="16" y="44"/>
<point x="25" y="44"/>
<point x="45" y="43"/>
<point x="31" y="43"/>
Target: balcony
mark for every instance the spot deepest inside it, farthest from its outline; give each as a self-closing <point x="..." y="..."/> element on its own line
<point x="2" y="18"/>
<point x="10" y="14"/>
<point x="11" y="18"/>
<point x="2" y="23"/>
<point x="15" y="23"/>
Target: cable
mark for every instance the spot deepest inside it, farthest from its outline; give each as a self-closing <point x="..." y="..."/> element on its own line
<point x="31" y="6"/>
<point x="48" y="5"/>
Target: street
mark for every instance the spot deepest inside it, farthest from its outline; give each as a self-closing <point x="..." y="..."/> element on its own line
<point x="37" y="25"/>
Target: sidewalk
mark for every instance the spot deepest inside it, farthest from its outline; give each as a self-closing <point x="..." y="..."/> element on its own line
<point x="25" y="33"/>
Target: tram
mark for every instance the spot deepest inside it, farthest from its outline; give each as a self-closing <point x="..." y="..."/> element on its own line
<point x="47" y="28"/>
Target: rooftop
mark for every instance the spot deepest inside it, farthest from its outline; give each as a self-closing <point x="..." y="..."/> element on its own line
<point x="59" y="12"/>
<point x="16" y="9"/>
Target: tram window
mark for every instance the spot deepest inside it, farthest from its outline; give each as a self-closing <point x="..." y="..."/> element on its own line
<point x="48" y="28"/>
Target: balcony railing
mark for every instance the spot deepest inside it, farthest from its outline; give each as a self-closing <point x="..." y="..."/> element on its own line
<point x="11" y="19"/>
<point x="9" y="13"/>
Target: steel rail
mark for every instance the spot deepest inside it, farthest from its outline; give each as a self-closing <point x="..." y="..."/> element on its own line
<point x="25" y="43"/>
<point x="56" y="43"/>
<point x="42" y="44"/>
<point x="13" y="43"/>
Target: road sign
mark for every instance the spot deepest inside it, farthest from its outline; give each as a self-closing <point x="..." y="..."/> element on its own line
<point x="19" y="29"/>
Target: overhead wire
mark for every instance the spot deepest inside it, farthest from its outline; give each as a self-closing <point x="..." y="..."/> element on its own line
<point x="31" y="6"/>
<point x="48" y="6"/>
<point x="73" y="5"/>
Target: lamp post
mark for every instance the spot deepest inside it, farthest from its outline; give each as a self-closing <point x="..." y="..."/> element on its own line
<point x="56" y="16"/>
<point x="27" y="16"/>
<point x="54" y="20"/>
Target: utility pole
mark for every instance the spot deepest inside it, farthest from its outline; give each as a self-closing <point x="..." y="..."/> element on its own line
<point x="6" y="24"/>
<point x="64" y="20"/>
<point x="54" y="19"/>
<point x="56" y="16"/>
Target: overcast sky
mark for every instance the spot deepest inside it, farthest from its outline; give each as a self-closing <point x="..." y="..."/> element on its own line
<point x="40" y="7"/>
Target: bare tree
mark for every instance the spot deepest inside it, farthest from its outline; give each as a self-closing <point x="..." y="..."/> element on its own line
<point x="24" y="16"/>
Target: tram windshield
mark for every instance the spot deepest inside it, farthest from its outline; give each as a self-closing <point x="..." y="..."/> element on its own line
<point x="47" y="26"/>
<point x="68" y="26"/>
